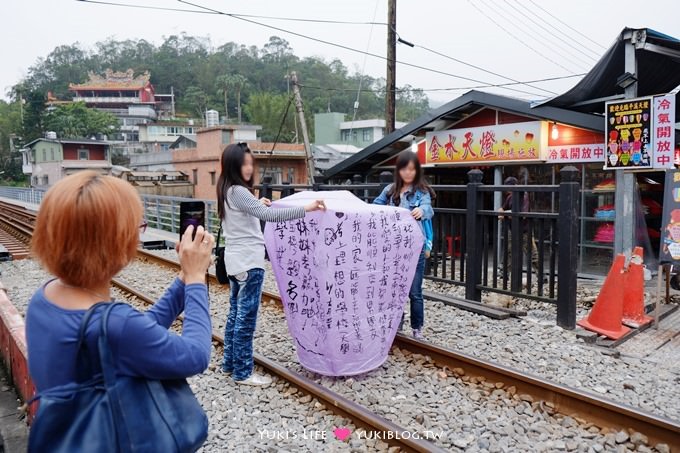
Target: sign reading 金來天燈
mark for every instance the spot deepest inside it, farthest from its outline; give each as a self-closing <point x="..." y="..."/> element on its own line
<point x="503" y="142"/>
<point x="627" y="130"/>
<point x="593" y="152"/>
<point x="663" y="131"/>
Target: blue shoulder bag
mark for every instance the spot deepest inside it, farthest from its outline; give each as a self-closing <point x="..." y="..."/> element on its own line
<point x="109" y="413"/>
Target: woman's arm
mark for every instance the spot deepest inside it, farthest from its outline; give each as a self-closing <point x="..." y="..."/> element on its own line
<point x="426" y="206"/>
<point x="169" y="306"/>
<point x="382" y="198"/>
<point x="241" y="198"/>
<point x="148" y="349"/>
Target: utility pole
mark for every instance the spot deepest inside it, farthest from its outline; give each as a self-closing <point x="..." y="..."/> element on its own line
<point x="303" y="126"/>
<point x="624" y="198"/>
<point x="391" y="84"/>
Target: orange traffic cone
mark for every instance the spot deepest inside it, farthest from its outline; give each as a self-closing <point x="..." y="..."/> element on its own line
<point x="605" y="317"/>
<point x="634" y="293"/>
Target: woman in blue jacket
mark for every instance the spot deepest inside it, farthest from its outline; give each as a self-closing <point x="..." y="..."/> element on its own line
<point x="411" y="191"/>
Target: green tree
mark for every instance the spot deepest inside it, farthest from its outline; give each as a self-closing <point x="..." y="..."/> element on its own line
<point x="267" y="110"/>
<point x="223" y="88"/>
<point x="10" y="142"/>
<point x="197" y="99"/>
<point x="238" y="82"/>
<point x="76" y="120"/>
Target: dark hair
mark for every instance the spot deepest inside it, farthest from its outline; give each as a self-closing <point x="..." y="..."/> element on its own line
<point x="419" y="183"/>
<point x="233" y="158"/>
<point x="510" y="181"/>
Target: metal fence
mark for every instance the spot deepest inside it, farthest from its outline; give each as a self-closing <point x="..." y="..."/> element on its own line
<point x="163" y="213"/>
<point x="474" y="247"/>
<point x="24" y="194"/>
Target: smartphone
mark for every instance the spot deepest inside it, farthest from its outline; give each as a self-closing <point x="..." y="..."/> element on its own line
<point x="191" y="213"/>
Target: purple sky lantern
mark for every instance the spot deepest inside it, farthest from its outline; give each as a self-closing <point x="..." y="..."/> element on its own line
<point x="344" y="276"/>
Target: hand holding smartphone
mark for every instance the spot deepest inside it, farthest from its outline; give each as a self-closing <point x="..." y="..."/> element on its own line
<point x="191" y="213"/>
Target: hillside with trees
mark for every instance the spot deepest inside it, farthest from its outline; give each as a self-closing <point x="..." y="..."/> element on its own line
<point x="243" y="83"/>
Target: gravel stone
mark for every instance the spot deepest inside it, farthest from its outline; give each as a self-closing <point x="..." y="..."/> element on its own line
<point x="408" y="389"/>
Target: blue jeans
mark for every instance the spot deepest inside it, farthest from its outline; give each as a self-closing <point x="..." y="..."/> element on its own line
<point x="238" y="333"/>
<point x="415" y="295"/>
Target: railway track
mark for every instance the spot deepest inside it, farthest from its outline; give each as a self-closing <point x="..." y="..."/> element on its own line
<point x="556" y="398"/>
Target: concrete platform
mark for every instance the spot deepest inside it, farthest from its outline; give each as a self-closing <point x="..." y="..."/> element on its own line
<point x="13" y="430"/>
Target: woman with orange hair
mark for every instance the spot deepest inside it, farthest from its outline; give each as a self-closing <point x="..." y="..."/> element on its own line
<point x="86" y="232"/>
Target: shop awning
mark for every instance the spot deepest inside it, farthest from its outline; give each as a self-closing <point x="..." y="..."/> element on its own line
<point x="448" y="114"/>
<point x="658" y="72"/>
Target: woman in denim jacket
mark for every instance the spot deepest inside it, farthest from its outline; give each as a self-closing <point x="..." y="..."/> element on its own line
<point x="411" y="191"/>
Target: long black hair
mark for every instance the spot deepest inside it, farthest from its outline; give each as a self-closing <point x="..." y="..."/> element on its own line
<point x="419" y="183"/>
<point x="233" y="158"/>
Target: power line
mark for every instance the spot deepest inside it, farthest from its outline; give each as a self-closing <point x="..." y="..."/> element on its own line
<point x="482" y="69"/>
<point x="567" y="36"/>
<point x="342" y="46"/>
<point x="518" y="39"/>
<point x="289" y="19"/>
<point x="361" y="76"/>
<point x="590" y="58"/>
<point x="401" y="90"/>
<point x="158" y="8"/>
<point x="206" y="10"/>
<point x="566" y="24"/>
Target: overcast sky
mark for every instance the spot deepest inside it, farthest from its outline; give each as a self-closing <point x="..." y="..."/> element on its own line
<point x="485" y="33"/>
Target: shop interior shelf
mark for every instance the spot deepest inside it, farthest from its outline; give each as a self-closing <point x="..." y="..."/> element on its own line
<point x="598" y="192"/>
<point x="598" y="219"/>
<point x="597" y="245"/>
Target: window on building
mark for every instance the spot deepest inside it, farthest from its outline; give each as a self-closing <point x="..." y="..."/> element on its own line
<point x="44" y="155"/>
<point x="51" y="153"/>
<point x="355" y="136"/>
<point x="165" y="146"/>
<point x="274" y="172"/>
<point x="367" y="135"/>
<point x="195" y="176"/>
<point x="344" y="136"/>
<point x="83" y="154"/>
<point x="291" y="174"/>
<point x="46" y="180"/>
<point x="34" y="181"/>
<point x="212" y="178"/>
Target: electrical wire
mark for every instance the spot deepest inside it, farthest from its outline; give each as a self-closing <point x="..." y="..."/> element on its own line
<point x="289" y="19"/>
<point x="567" y="25"/>
<point x="595" y="53"/>
<point x="499" y="85"/>
<point x="342" y="46"/>
<point x="541" y="38"/>
<point x="278" y="135"/>
<point x="205" y="10"/>
<point x="361" y="77"/>
<point x="517" y="38"/>
<point x="482" y="69"/>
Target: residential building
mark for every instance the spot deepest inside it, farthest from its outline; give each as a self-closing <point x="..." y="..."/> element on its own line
<point x="48" y="160"/>
<point x="202" y="162"/>
<point x="331" y="128"/>
<point x="165" y="183"/>
<point x="159" y="136"/>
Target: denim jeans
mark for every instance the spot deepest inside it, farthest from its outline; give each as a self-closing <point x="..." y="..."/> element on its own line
<point x="240" y="328"/>
<point x="415" y="295"/>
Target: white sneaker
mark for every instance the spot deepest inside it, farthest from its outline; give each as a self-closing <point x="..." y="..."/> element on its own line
<point x="219" y="370"/>
<point x="256" y="380"/>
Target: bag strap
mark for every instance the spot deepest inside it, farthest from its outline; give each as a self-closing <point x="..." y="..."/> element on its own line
<point x="84" y="369"/>
<point x="217" y="243"/>
<point x="109" y="373"/>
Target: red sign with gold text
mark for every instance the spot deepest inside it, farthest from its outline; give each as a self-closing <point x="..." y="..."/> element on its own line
<point x="504" y="142"/>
